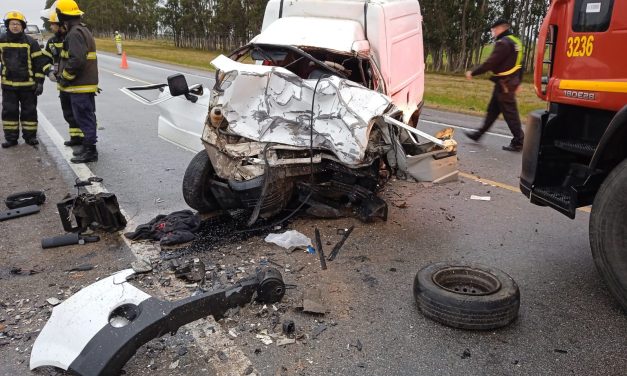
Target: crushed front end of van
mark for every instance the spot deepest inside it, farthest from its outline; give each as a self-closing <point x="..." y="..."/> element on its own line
<point x="275" y="141"/>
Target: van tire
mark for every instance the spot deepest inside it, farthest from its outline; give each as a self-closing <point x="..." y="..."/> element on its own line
<point x="490" y="298"/>
<point x="196" y="185"/>
<point x="608" y="232"/>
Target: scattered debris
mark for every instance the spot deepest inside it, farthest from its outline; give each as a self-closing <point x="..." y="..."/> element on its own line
<point x="68" y="239"/>
<point x="174" y="364"/>
<point x="339" y="244"/>
<point x="359" y="345"/>
<point x="23" y="199"/>
<point x="285" y="341"/>
<point x="312" y="302"/>
<point x="480" y="198"/>
<point x="20" y="271"/>
<point x="318" y="330"/>
<point x="289" y="327"/>
<point x="222" y="356"/>
<point x="19" y="212"/>
<point x="289" y="240"/>
<point x="466" y="354"/>
<point x="141" y="266"/>
<point x="182" y="351"/>
<point x="265" y="338"/>
<point x="561" y="351"/>
<point x="190" y="270"/>
<point x="323" y="263"/>
<point x="81" y="268"/>
<point x="53" y="301"/>
<point x="99" y="211"/>
<point x="112" y="303"/>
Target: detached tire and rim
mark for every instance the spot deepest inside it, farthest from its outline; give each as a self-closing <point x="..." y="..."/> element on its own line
<point x="196" y="187"/>
<point x="469" y="296"/>
<point x="608" y="232"/>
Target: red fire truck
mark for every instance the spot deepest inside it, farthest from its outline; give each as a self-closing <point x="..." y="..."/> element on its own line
<point x="575" y="152"/>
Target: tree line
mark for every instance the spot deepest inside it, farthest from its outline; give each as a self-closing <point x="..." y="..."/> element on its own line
<point x="455" y="31"/>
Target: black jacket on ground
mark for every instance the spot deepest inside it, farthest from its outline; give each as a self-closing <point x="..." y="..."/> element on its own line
<point x="175" y="228"/>
<point x="22" y="61"/>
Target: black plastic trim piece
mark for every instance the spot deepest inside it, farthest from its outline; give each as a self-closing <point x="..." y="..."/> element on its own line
<point x="109" y="350"/>
<point x="19" y="212"/>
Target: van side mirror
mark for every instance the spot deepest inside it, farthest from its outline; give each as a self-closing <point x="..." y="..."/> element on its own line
<point x="177" y="85"/>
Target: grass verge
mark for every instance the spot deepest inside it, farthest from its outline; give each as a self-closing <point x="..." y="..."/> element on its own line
<point x="442" y="91"/>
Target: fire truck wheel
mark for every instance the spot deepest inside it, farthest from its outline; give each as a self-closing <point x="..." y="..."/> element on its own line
<point x="608" y="232"/>
<point x="467" y="296"/>
<point x="196" y="190"/>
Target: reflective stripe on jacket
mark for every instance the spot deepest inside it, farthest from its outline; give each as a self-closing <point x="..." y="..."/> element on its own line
<point x="22" y="61"/>
<point x="518" y="47"/>
<point x="505" y="59"/>
<point x="53" y="49"/>
<point x="78" y="64"/>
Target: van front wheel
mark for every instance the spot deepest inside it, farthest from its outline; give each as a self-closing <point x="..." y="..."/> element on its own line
<point x="196" y="184"/>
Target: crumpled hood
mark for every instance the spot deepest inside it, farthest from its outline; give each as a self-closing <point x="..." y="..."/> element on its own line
<point x="271" y="104"/>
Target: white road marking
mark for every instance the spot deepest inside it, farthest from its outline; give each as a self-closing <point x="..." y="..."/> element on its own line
<point x="124" y="77"/>
<point x="465" y="128"/>
<point x="238" y="360"/>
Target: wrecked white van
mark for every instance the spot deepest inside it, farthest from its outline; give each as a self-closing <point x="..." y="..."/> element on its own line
<point x="312" y="113"/>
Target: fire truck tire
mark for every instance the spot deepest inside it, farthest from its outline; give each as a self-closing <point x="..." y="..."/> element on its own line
<point x="467" y="296"/>
<point x="196" y="190"/>
<point x="608" y="232"/>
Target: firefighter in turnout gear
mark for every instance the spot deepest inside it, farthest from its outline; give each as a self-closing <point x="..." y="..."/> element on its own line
<point x="53" y="51"/>
<point x="22" y="80"/>
<point x="78" y="77"/>
<point x="506" y="64"/>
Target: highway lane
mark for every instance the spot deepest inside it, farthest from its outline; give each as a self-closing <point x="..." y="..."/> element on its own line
<point x="568" y="323"/>
<point x="144" y="171"/>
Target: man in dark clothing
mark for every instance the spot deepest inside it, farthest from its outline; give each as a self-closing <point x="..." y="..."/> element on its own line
<point x="22" y="80"/>
<point x="78" y="76"/>
<point x="506" y="64"/>
<point x="53" y="51"/>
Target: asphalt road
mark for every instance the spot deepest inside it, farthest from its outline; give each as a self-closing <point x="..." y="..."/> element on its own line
<point x="568" y="323"/>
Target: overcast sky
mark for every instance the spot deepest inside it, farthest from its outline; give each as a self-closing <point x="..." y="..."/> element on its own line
<point x="30" y="8"/>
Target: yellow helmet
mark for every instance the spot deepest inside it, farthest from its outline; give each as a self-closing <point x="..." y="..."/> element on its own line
<point x="14" y="15"/>
<point x="68" y="8"/>
<point x="54" y="18"/>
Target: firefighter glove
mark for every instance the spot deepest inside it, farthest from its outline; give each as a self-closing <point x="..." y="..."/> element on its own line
<point x="52" y="76"/>
<point x="39" y="89"/>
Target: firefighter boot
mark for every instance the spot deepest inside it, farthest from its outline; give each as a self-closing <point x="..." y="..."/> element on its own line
<point x="78" y="151"/>
<point x="32" y="141"/>
<point x="9" y="143"/>
<point x="90" y="154"/>
<point x="74" y="141"/>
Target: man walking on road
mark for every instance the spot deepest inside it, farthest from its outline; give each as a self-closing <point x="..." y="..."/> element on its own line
<point x="78" y="77"/>
<point x="506" y="64"/>
<point x="22" y="80"/>
<point x="118" y="42"/>
<point x="53" y="51"/>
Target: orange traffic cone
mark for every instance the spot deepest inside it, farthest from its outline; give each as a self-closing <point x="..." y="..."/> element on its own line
<point x="124" y="64"/>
